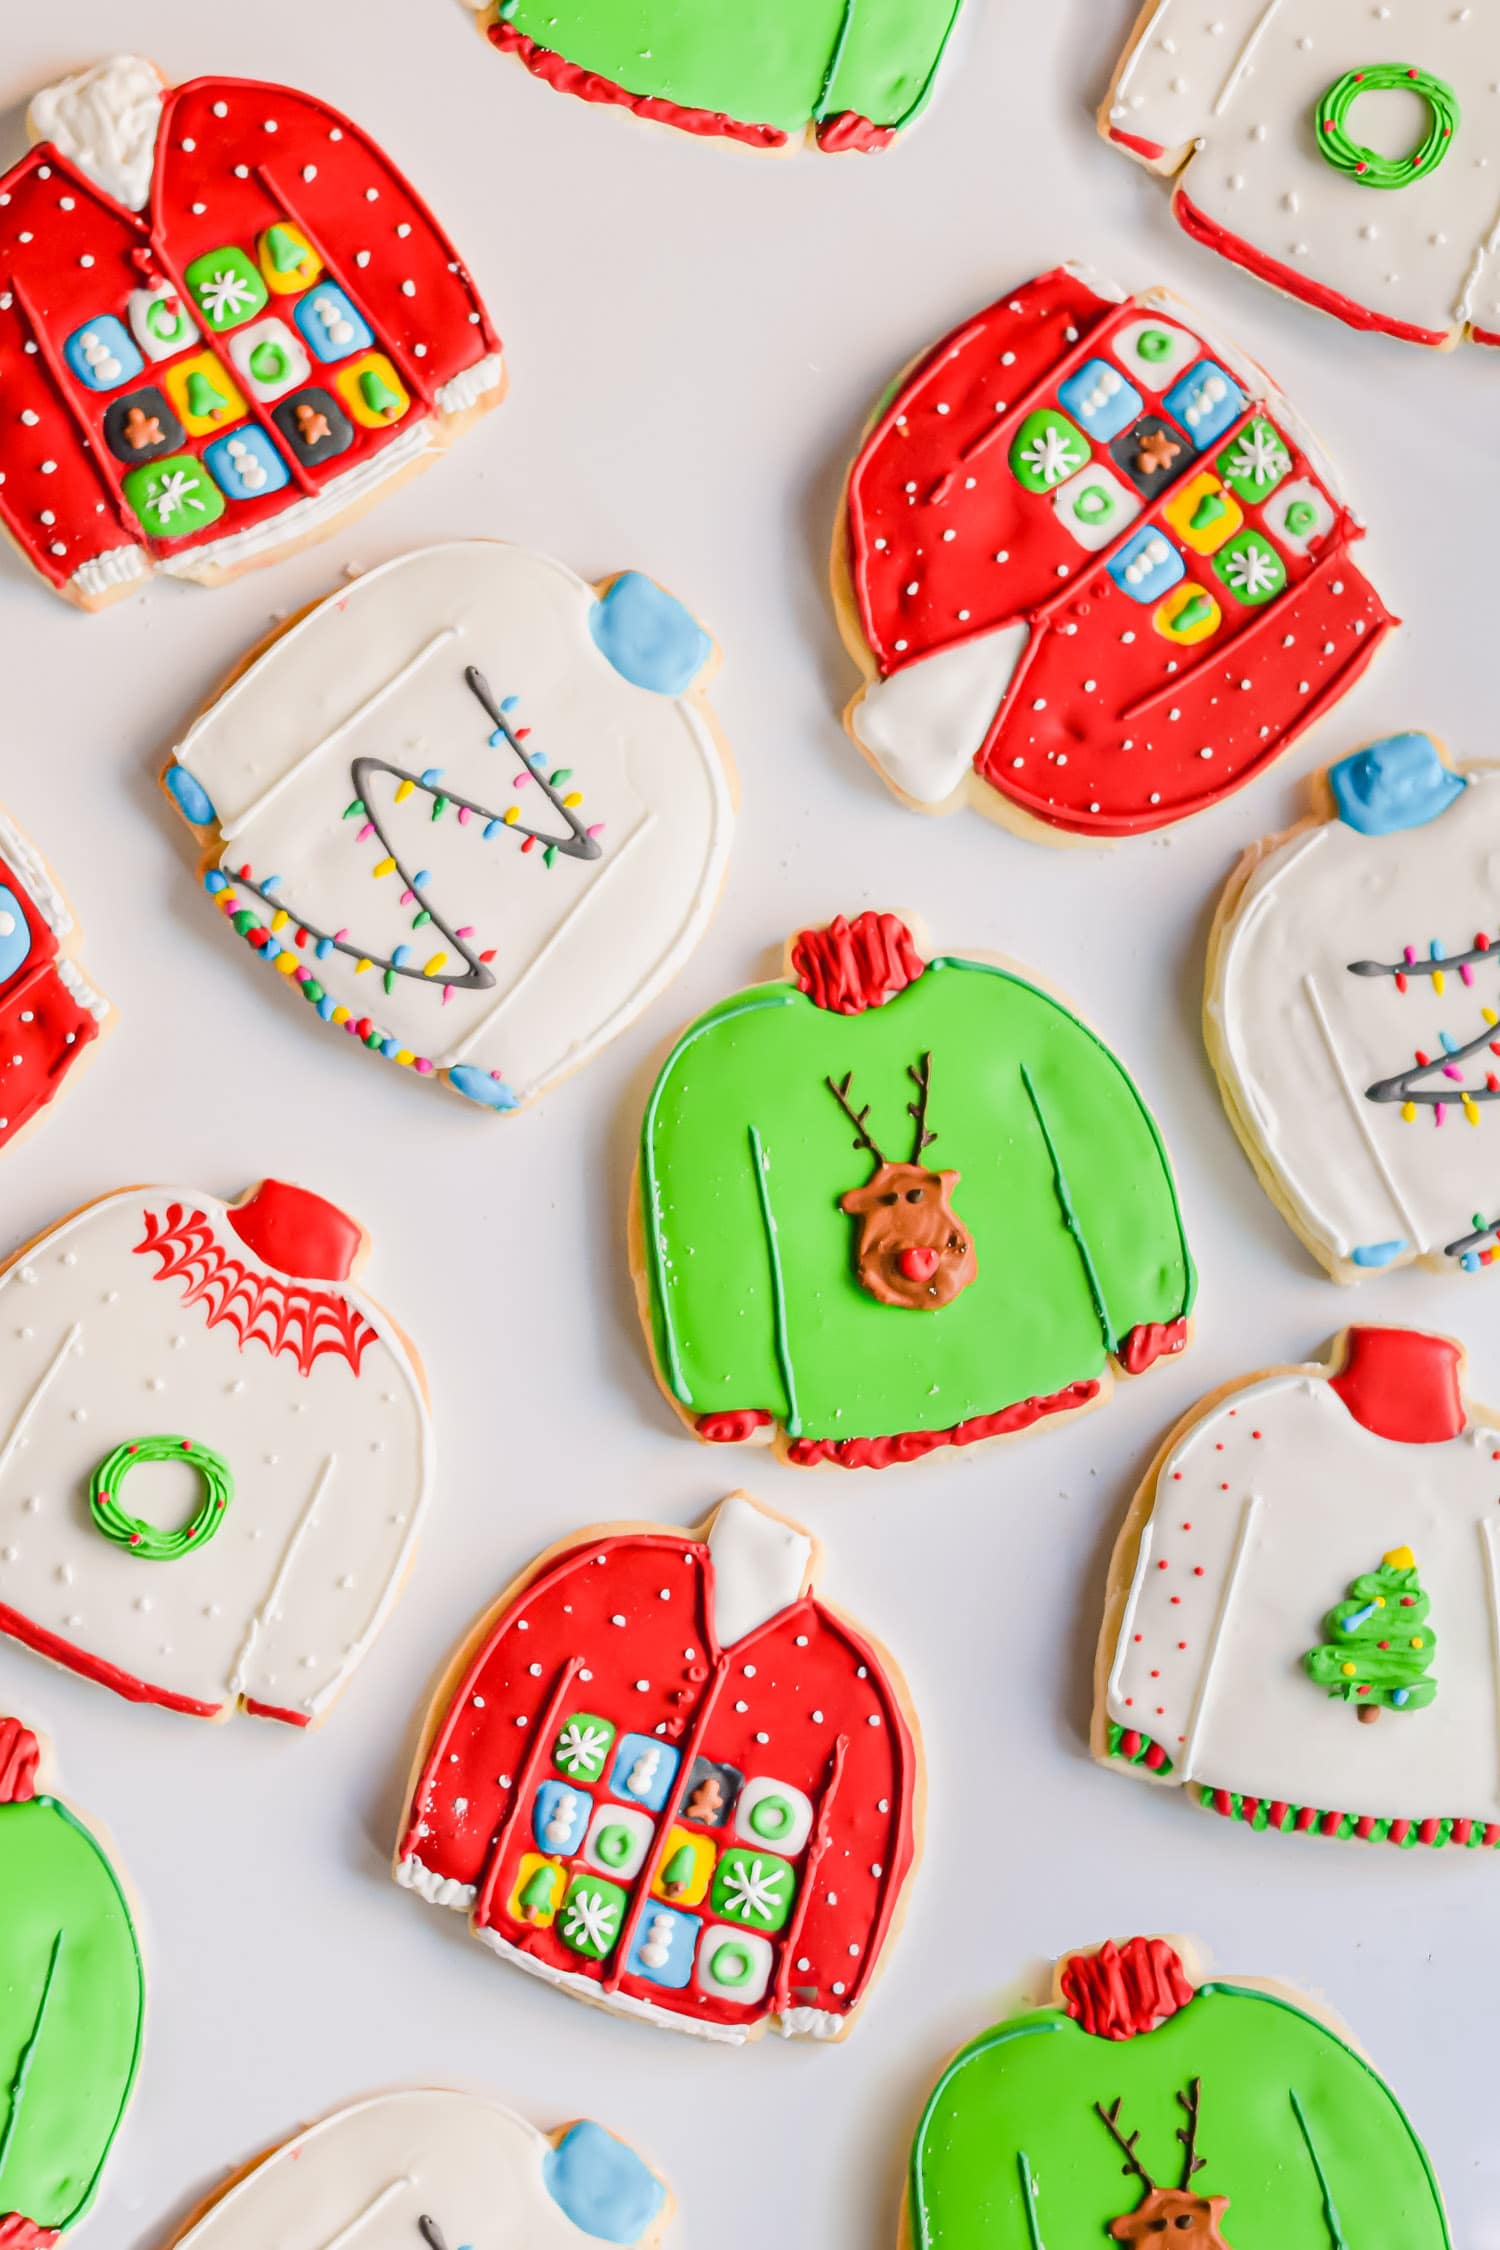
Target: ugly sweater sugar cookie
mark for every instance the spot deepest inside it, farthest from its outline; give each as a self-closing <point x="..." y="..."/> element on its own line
<point x="425" y="2169"/>
<point x="1300" y="1626"/>
<point x="72" y="2001"/>
<point x="473" y="810"/>
<point x="227" y="322"/>
<point x="50" y="1015"/>
<point x="1351" y="1012"/>
<point x="666" y="1777"/>
<point x="849" y="75"/>
<point x="808" y="1272"/>
<point x="1339" y="151"/>
<point x="1096" y="571"/>
<point x="214" y="1450"/>
<point x="1146" y="2103"/>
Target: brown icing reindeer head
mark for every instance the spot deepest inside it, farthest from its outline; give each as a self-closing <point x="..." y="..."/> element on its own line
<point x="913" y="1249"/>
<point x="1169" y="2216"/>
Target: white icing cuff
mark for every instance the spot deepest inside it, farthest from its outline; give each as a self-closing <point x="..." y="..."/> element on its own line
<point x="106" y="120"/>
<point x="925" y="726"/>
<point x="438" y="1890"/>
<point x="760" y="1565"/>
<point x="117" y="566"/>
<point x="202" y="563"/>
<point x="80" y="989"/>
<point x="810" y="2023"/>
<point x="463" y="389"/>
<point x="26" y="862"/>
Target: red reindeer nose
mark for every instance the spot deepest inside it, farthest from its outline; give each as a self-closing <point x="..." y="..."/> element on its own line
<point x="917" y="1265"/>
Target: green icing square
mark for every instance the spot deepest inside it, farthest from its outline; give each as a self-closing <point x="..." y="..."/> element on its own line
<point x="582" y="1748"/>
<point x="174" y="497"/>
<point x="226" y="287"/>
<point x="1251" y="568"/>
<point x="592" y="1917"/>
<point x="1256" y="462"/>
<point x="1047" y="449"/>
<point x="754" y="1889"/>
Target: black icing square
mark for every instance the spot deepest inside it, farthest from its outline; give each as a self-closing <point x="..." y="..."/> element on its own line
<point x="292" y="415"/>
<point x="705" y="1777"/>
<point x="132" y="416"/>
<point x="1152" y="431"/>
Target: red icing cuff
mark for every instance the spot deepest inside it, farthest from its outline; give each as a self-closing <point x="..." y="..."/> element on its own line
<point x="298" y="1232"/>
<point x="569" y="78"/>
<point x="1121" y="1992"/>
<point x="20" y="1754"/>
<point x="1403" y="1385"/>
<point x="1151" y="152"/>
<point x="851" y="966"/>
<point x="1265" y="268"/>
<point x="848" y="130"/>
<point x="275" y="1711"/>
<point x="1150" y="1341"/>
<point x="731" y="1428"/>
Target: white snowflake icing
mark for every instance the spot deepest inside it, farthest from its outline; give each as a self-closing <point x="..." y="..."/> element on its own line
<point x="1052" y="455"/>
<point x="1253" y="571"/>
<point x="580" y="1747"/>
<point x="591" y="1919"/>
<point x="753" y="1890"/>
<point x="1260" y="457"/>
<point x="226" y="293"/>
<point x="177" y="493"/>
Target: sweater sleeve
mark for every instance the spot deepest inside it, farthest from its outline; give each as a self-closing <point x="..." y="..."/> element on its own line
<point x="1182" y="63"/>
<point x="882" y="68"/>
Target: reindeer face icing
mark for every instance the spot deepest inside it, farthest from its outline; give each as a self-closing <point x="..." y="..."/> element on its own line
<point x="913" y="1249"/>
<point x="1169" y="2215"/>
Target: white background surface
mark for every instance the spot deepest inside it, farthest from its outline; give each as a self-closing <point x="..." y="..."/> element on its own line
<point x="694" y="338"/>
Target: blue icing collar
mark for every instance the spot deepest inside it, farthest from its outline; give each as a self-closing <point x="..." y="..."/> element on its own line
<point x="647" y="635"/>
<point x="602" y="2185"/>
<point x="477" y="1085"/>
<point x="1396" y="784"/>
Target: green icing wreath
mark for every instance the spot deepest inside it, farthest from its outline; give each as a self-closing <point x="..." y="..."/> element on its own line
<point x="135" y="1532"/>
<point x="1366" y="166"/>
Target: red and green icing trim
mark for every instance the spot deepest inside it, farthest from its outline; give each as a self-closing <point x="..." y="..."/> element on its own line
<point x="1287" y="1819"/>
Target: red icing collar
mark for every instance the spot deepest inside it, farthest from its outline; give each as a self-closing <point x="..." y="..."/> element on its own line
<point x="1403" y="1385"/>
<point x="298" y="1232"/>
<point x="1124" y="1990"/>
<point x="851" y="966"/>
<point x="20" y="1754"/>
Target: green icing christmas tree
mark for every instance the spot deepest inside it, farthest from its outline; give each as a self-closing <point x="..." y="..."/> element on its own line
<point x="1379" y="1649"/>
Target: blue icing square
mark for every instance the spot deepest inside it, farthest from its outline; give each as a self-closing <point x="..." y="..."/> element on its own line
<point x="664" y="1944"/>
<point x="245" y="464"/>
<point x="330" y="323"/>
<point x="1207" y="402"/>
<point x="102" y="354"/>
<point x="1147" y="566"/>
<point x="559" y="1818"/>
<point x="1100" y="400"/>
<point x="644" y="1770"/>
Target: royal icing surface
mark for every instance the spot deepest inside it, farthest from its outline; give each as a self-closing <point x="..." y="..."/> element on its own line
<point x="1342" y="152"/>
<point x="49" y="1012"/>
<point x="672" y="1782"/>
<point x="139" y="242"/>
<point x="1099" y="566"/>
<point x="72" y="1996"/>
<point x="1139" y="2110"/>
<point x="475" y="814"/>
<point x="428" y="2170"/>
<point x="164" y="1319"/>
<point x="1244" y="1657"/>
<point x="798" y="1269"/>
<point x="851" y="72"/>
<point x="1354" y="1013"/>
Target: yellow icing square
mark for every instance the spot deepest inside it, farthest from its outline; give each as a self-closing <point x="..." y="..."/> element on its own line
<point x="282" y="279"/>
<point x="695" y="1890"/>
<point x="372" y="391"/>
<point x="537" y="1916"/>
<point x="1206" y="498"/>
<point x="1188" y="615"/>
<point x="193" y="380"/>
